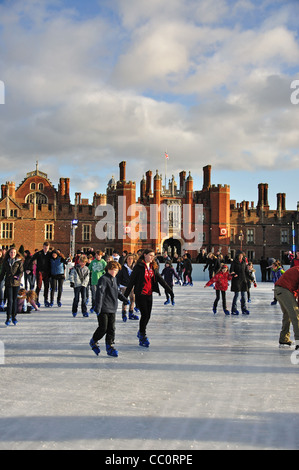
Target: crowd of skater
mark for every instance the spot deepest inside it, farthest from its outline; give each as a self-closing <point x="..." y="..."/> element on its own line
<point x="132" y="278"/>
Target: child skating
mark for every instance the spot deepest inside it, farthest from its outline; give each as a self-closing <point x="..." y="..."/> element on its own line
<point x="168" y="274"/>
<point x="221" y="285"/>
<point x="107" y="296"/>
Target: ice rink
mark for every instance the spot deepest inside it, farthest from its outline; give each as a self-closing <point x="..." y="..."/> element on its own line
<point x="206" y="382"/>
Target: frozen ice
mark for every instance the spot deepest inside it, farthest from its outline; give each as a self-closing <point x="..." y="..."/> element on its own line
<point x="206" y="382"/>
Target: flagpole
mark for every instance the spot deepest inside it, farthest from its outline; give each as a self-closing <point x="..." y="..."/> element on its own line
<point x="165" y="154"/>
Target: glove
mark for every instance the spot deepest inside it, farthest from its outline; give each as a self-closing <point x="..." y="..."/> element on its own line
<point x="255" y="284"/>
<point x="72" y="284"/>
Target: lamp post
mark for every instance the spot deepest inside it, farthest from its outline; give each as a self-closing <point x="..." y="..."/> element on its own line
<point x="241" y="238"/>
<point x="74" y="226"/>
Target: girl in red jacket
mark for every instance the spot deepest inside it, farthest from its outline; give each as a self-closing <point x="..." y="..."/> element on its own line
<point x="220" y="280"/>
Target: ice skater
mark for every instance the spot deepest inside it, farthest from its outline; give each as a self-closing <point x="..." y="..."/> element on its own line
<point x="220" y="280"/>
<point x="122" y="278"/>
<point x="286" y="292"/>
<point x="106" y="306"/>
<point x="169" y="274"/>
<point x="79" y="280"/>
<point x="277" y="272"/>
<point x="239" y="283"/>
<point x="145" y="279"/>
<point x="12" y="271"/>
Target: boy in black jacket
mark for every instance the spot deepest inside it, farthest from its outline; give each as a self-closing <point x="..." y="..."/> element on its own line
<point x="106" y="307"/>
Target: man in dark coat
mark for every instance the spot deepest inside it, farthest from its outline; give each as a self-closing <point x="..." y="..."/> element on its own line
<point x="43" y="271"/>
<point x="239" y="283"/>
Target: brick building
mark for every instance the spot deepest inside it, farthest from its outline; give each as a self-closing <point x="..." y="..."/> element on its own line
<point x="36" y="211"/>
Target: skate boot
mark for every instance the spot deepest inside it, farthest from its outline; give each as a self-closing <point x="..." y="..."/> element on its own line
<point x="245" y="311"/>
<point x="59" y="303"/>
<point x="214" y="309"/>
<point x="47" y="304"/>
<point x="226" y="311"/>
<point x="2" y="306"/>
<point x="124" y="315"/>
<point x="285" y="345"/>
<point x="111" y="351"/>
<point x="274" y="302"/>
<point x="8" y="322"/>
<point x="235" y="311"/>
<point x="94" y="346"/>
<point x="167" y="302"/>
<point x="143" y="340"/>
<point x="132" y="315"/>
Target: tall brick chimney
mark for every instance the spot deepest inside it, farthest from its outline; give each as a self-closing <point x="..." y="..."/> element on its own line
<point x="207" y="176"/>
<point x="122" y="171"/>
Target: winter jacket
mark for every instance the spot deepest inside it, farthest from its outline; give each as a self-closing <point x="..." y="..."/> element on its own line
<point x="12" y="272"/>
<point x="239" y="283"/>
<point x="97" y="269"/>
<point x="168" y="274"/>
<point x="79" y="277"/>
<point x="123" y="276"/>
<point x="43" y="261"/>
<point x="221" y="281"/>
<point x="289" y="280"/>
<point x="57" y="266"/>
<point x="108" y="294"/>
<point x="276" y="274"/>
<point x="137" y="280"/>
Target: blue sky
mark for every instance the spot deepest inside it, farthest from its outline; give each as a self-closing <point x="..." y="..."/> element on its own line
<point x="89" y="84"/>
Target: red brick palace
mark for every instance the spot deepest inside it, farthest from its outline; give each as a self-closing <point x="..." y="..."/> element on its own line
<point x="36" y="211"/>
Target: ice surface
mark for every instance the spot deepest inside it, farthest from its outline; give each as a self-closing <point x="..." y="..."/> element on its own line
<point x="206" y="382"/>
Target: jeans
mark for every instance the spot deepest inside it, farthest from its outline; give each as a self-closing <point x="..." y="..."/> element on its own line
<point x="56" y="282"/>
<point x="290" y="310"/>
<point x="12" y="302"/>
<point x="243" y="301"/>
<point x="106" y="327"/>
<point x="77" y="292"/>
<point x="144" y="303"/>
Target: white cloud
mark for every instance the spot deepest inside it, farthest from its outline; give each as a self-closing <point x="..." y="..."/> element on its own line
<point x="192" y="78"/>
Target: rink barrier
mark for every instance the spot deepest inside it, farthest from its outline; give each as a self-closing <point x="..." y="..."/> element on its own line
<point x="198" y="274"/>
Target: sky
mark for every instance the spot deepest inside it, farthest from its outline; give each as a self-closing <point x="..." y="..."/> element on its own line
<point x="90" y="84"/>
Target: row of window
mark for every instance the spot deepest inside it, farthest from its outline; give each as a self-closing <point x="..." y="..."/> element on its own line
<point x="39" y="186"/>
<point x="7" y="233"/>
<point x="250" y="236"/>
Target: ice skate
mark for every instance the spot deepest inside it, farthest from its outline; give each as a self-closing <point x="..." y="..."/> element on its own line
<point x="111" y="351"/>
<point x="285" y="345"/>
<point x="132" y="315"/>
<point x="167" y="302"/>
<point x="124" y="315"/>
<point x="8" y="322"/>
<point x="235" y="311"/>
<point x="227" y="312"/>
<point x="94" y="346"/>
<point x="143" y="340"/>
<point x="245" y="311"/>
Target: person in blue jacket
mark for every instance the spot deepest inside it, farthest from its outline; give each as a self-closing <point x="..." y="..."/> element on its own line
<point x="57" y="263"/>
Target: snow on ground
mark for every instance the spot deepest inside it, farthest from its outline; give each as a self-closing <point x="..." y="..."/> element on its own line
<point x="206" y="382"/>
